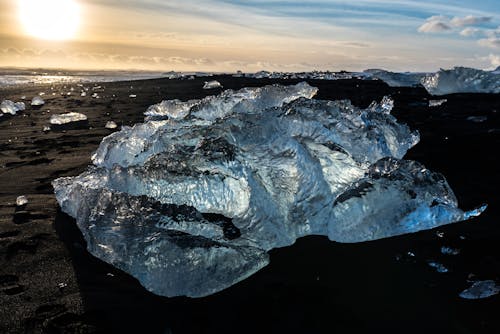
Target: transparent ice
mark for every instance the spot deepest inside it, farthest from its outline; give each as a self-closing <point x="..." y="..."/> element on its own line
<point x="440" y="268"/>
<point x="462" y="80"/>
<point x="437" y="103"/>
<point x="111" y="125"/>
<point x="481" y="289"/>
<point x="191" y="201"/>
<point x="449" y="250"/>
<point x="9" y="107"/>
<point x="395" y="79"/>
<point x="66" y="118"/>
<point x="212" y="84"/>
<point x="37" y="101"/>
<point x="21" y="200"/>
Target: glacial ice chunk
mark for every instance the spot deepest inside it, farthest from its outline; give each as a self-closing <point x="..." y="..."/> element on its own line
<point x="462" y="80"/>
<point x="191" y="201"/>
<point x="66" y="118"/>
<point x="449" y="250"/>
<point x="440" y="268"/>
<point x="395" y="79"/>
<point x="481" y="289"/>
<point x="9" y="107"/>
<point x="37" y="101"/>
<point x="111" y="125"/>
<point x="212" y="84"/>
<point x="21" y="200"/>
<point x="437" y="103"/>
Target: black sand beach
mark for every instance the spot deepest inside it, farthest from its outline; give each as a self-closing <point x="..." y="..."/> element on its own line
<point x="50" y="284"/>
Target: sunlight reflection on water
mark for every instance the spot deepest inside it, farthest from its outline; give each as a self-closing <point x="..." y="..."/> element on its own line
<point x="30" y="79"/>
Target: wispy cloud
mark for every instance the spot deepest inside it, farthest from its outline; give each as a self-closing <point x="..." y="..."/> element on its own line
<point x="492" y="42"/>
<point x="469" y="31"/>
<point x="441" y="23"/>
<point x="435" y="24"/>
<point x="470" y="20"/>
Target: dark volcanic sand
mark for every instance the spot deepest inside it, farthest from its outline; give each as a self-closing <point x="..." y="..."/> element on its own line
<point x="315" y="286"/>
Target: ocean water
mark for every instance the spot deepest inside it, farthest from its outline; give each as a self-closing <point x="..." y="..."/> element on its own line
<point x="19" y="77"/>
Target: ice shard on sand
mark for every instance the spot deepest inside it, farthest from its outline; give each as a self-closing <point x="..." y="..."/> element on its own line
<point x="191" y="201"/>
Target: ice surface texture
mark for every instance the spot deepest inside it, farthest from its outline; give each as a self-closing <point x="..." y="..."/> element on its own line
<point x="212" y="84"/>
<point x="481" y="289"/>
<point x="67" y="118"/>
<point x="9" y="107"/>
<point x="37" y="101"/>
<point x="462" y="80"/>
<point x="395" y="79"/>
<point x="191" y="201"/>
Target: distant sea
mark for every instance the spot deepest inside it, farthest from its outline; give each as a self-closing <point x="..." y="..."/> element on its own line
<point x="21" y="77"/>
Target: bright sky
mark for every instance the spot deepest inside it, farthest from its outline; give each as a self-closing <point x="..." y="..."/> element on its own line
<point x="223" y="35"/>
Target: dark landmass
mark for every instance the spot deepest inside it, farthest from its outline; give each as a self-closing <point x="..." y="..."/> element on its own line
<point x="50" y="284"/>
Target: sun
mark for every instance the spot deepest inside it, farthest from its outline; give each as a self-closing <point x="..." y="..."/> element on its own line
<point x="50" y="19"/>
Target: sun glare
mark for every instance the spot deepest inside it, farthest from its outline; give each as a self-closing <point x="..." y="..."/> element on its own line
<point x="50" y="19"/>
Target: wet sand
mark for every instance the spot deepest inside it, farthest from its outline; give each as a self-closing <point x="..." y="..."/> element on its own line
<point x="50" y="284"/>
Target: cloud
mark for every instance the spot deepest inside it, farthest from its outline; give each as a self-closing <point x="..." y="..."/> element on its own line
<point x="434" y="27"/>
<point x="435" y="24"/>
<point x="495" y="60"/>
<point x="492" y="42"/>
<point x="441" y="23"/>
<point x="493" y="32"/>
<point x="468" y="32"/>
<point x="470" y="20"/>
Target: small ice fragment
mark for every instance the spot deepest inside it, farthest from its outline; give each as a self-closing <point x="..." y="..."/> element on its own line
<point x="111" y="125"/>
<point x="132" y="96"/>
<point x="387" y="104"/>
<point x="21" y="200"/>
<point x="46" y="128"/>
<point x="477" y="119"/>
<point x="480" y="289"/>
<point x="110" y="275"/>
<point x="37" y="101"/>
<point x="67" y="118"/>
<point x="437" y="103"/>
<point x="212" y="84"/>
<point x="440" y="234"/>
<point x="450" y="251"/>
<point x="440" y="268"/>
<point x="411" y="254"/>
<point x="95" y="96"/>
<point x="83" y="94"/>
<point x="41" y="93"/>
<point x="9" y="107"/>
<point x="23" y="97"/>
<point x="62" y="285"/>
